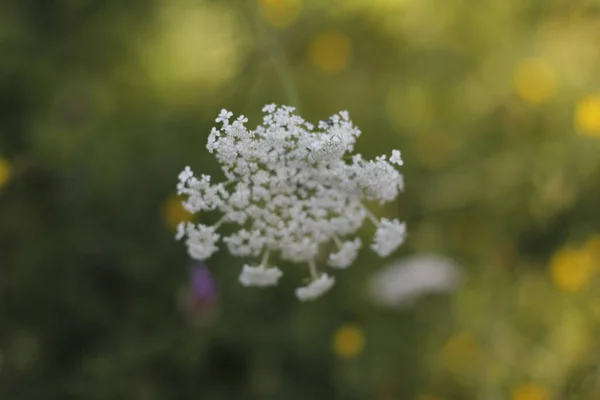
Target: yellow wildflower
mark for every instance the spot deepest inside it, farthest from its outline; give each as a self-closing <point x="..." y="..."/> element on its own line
<point x="587" y="116"/>
<point x="5" y="171"/>
<point x="572" y="268"/>
<point x="330" y="52"/>
<point x="461" y="353"/>
<point x="174" y="213"/>
<point x="348" y="341"/>
<point x="535" y="81"/>
<point x="530" y="391"/>
<point x="280" y="13"/>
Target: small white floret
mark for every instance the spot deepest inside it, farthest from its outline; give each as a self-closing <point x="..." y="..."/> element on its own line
<point x="316" y="288"/>
<point x="345" y="255"/>
<point x="260" y="276"/>
<point x="395" y="158"/>
<point x="389" y="236"/>
<point x="201" y="241"/>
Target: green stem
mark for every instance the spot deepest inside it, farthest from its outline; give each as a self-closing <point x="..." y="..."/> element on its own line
<point x="337" y="241"/>
<point x="279" y="62"/>
<point x="313" y="269"/>
<point x="219" y="223"/>
<point x="265" y="259"/>
<point x="371" y="217"/>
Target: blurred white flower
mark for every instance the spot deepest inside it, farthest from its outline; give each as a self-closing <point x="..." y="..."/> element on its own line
<point x="291" y="189"/>
<point x="404" y="280"/>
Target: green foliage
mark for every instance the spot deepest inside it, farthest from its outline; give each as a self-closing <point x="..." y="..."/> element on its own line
<point x="495" y="106"/>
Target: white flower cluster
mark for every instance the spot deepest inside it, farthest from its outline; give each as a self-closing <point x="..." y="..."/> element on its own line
<point x="291" y="188"/>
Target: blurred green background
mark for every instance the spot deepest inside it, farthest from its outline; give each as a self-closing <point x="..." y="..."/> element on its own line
<point x="495" y="106"/>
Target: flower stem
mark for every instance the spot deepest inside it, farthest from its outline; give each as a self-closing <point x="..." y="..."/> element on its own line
<point x="313" y="269"/>
<point x="278" y="59"/>
<point x="337" y="241"/>
<point x="265" y="259"/>
<point x="372" y="217"/>
<point x="219" y="223"/>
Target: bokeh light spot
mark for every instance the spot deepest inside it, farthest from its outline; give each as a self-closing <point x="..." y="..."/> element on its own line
<point x="587" y="116"/>
<point x="5" y="171"/>
<point x="280" y="13"/>
<point x="592" y="245"/>
<point x="535" y="81"/>
<point x="572" y="337"/>
<point x="434" y="149"/>
<point x="571" y="269"/>
<point x="348" y="341"/>
<point x="330" y="52"/>
<point x="409" y="108"/>
<point x="530" y="391"/>
<point x="194" y="48"/>
<point x="461" y="353"/>
<point x="428" y="397"/>
<point x="174" y="213"/>
<point x="24" y="351"/>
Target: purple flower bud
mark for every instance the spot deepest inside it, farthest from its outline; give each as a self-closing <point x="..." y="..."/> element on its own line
<point x="203" y="293"/>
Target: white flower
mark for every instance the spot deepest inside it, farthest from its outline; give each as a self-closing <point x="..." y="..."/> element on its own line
<point x="345" y="255"/>
<point x="260" y="276"/>
<point x="406" y="279"/>
<point x="290" y="191"/>
<point x="316" y="288"/>
<point x="389" y="236"/>
<point x="395" y="158"/>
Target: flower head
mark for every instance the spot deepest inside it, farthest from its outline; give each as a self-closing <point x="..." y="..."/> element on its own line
<point x="291" y="189"/>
